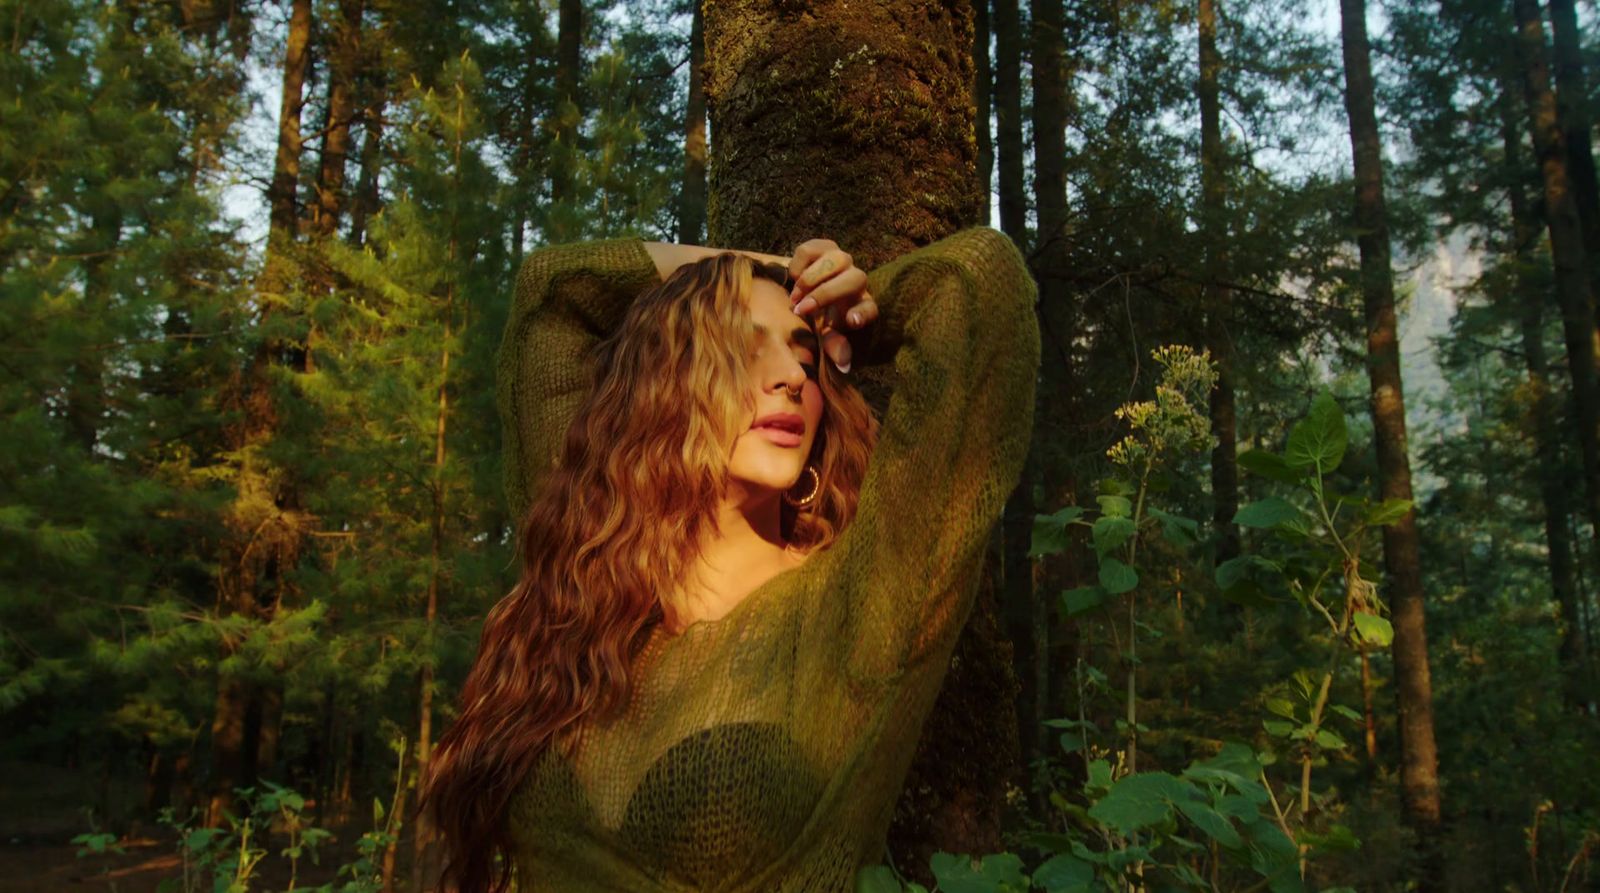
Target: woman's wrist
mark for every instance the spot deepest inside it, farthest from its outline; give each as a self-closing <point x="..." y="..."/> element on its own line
<point x="669" y="256"/>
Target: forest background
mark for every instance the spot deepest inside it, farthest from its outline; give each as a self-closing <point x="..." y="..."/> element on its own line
<point x="255" y="259"/>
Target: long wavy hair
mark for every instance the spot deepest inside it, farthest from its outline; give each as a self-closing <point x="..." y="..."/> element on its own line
<point x="616" y="523"/>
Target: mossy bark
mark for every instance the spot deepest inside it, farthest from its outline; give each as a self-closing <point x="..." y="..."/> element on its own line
<point x="854" y="122"/>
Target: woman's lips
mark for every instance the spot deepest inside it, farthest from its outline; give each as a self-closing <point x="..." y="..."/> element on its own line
<point x="779" y="436"/>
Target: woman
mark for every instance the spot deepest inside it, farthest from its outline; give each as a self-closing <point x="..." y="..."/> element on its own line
<point x="714" y="669"/>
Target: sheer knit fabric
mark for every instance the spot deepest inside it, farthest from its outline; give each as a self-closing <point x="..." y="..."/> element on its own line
<point x="764" y="751"/>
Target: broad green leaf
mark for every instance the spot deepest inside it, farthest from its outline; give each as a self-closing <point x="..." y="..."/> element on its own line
<point x="1114" y="486"/>
<point x="1330" y="739"/>
<point x="1346" y="712"/>
<point x="877" y="879"/>
<point x="1082" y="599"/>
<point x="1239" y="807"/>
<point x="1388" y="512"/>
<point x="1278" y="727"/>
<point x="1271" y="466"/>
<point x="1374" y="630"/>
<point x="1247" y="593"/>
<point x="1068" y="723"/>
<point x="1064" y="873"/>
<point x="1117" y="577"/>
<point x="994" y="873"/>
<point x="1111" y="532"/>
<point x="1050" y="531"/>
<point x="1072" y="742"/>
<point x="1099" y="774"/>
<point x="1318" y="440"/>
<point x="1213" y="823"/>
<point x="1281" y="706"/>
<point x="1115" y="506"/>
<point x="1267" y="513"/>
<point x="1176" y="529"/>
<point x="1139" y="801"/>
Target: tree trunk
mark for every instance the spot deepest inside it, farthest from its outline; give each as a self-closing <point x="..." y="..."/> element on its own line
<point x="425" y="700"/>
<point x="692" y="203"/>
<point x="1572" y="101"/>
<point x="366" y="201"/>
<point x="1057" y="399"/>
<point x="261" y="531"/>
<point x="344" y="67"/>
<point x="982" y="90"/>
<point x="1552" y="483"/>
<point x="563" y="158"/>
<point x="286" y="165"/>
<point x="1008" y="120"/>
<point x="889" y="128"/>
<point x="1218" y="301"/>
<point x="270" y="730"/>
<point x="1566" y="246"/>
<point x="1419" y="761"/>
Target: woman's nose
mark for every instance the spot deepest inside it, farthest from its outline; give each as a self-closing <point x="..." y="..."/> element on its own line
<point x="791" y="376"/>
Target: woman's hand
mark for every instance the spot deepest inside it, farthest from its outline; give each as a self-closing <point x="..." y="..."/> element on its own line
<point x="828" y="278"/>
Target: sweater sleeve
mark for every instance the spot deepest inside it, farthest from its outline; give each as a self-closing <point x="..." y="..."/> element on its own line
<point x="569" y="297"/>
<point x="957" y="319"/>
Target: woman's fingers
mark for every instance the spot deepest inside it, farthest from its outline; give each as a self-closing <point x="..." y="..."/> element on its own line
<point x="829" y="264"/>
<point x="837" y="347"/>
<point x="843" y="285"/>
<point x="806" y="252"/>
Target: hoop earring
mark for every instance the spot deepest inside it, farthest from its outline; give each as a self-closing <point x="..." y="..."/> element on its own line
<point x="816" y="484"/>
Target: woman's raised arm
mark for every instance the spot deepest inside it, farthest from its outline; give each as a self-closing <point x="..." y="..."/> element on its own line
<point x="569" y="297"/>
<point x="958" y="323"/>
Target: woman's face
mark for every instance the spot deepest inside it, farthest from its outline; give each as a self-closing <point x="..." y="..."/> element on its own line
<point x="768" y="456"/>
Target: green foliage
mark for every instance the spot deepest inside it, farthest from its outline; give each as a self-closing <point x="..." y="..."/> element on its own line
<point x="226" y="860"/>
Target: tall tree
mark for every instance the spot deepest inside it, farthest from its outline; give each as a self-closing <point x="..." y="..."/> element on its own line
<point x="1218" y="301"/>
<point x="1008" y="119"/>
<point x="264" y="522"/>
<point x="1530" y="298"/>
<point x="566" y="119"/>
<point x="1058" y="320"/>
<point x="1419" y="760"/>
<point x="1564" y="224"/>
<point x="983" y="100"/>
<point x="692" y="194"/>
<point x="344" y="70"/>
<point x="1573" y="106"/>
<point x="882" y="162"/>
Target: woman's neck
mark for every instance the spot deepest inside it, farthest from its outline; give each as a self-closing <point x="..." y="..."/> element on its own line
<point x="747" y="553"/>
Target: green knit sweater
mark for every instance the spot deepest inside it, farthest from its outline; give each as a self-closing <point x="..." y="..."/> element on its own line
<point x="765" y="750"/>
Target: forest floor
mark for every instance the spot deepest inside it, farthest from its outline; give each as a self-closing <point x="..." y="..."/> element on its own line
<point x="43" y="807"/>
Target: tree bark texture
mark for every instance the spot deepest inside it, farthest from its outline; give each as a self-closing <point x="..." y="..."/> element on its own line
<point x="286" y="165"/>
<point x="1008" y="120"/>
<point x="1218" y="303"/>
<point x="344" y="55"/>
<point x="854" y="122"/>
<point x="263" y="522"/>
<point x="1572" y="103"/>
<point x="569" y="68"/>
<point x="692" y="200"/>
<point x="1530" y="300"/>
<point x="982" y="91"/>
<point x="1572" y="278"/>
<point x="1419" y="760"/>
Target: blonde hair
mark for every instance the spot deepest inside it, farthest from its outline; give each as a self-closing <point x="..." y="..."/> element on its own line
<point x="617" y="521"/>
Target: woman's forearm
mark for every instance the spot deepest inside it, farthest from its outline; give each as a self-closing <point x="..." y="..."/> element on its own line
<point x="669" y="256"/>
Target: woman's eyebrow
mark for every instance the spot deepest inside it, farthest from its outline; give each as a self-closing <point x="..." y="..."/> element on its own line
<point x="804" y="336"/>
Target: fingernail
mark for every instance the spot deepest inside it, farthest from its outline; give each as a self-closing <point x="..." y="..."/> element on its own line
<point x="853" y="317"/>
<point x="845" y="367"/>
<point x="806" y="306"/>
